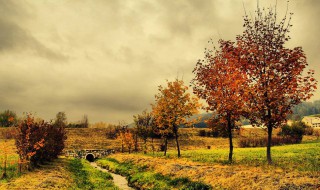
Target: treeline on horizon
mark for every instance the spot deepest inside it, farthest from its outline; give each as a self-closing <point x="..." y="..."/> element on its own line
<point x="305" y="109"/>
<point x="9" y="118"/>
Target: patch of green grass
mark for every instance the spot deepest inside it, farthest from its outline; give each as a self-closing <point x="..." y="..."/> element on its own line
<point x="12" y="172"/>
<point x="303" y="157"/>
<point x="12" y="167"/>
<point x="140" y="177"/>
<point x="87" y="177"/>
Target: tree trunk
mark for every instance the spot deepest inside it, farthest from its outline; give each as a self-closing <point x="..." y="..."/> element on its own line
<point x="136" y="143"/>
<point x="152" y="145"/>
<point x="19" y="165"/>
<point x="122" y="148"/>
<point x="4" y="174"/>
<point x="269" y="144"/>
<point x="145" y="146"/>
<point x="230" y="139"/>
<point x="177" y="142"/>
<point x="165" y="146"/>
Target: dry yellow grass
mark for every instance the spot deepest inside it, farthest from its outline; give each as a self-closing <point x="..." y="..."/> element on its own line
<point x="226" y="176"/>
<point x="51" y="176"/>
<point x="95" y="138"/>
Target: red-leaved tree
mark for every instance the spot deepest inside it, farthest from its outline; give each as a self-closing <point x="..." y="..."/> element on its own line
<point x="220" y="81"/>
<point x="275" y="73"/>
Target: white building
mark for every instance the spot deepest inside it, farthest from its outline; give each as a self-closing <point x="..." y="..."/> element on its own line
<point x="311" y="121"/>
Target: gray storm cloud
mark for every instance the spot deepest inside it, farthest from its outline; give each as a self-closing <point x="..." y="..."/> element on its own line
<point x="107" y="58"/>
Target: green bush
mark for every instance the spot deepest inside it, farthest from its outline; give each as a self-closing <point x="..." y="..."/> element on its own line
<point x="295" y="131"/>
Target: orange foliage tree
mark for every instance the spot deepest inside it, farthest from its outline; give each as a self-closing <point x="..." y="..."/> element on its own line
<point x="172" y="108"/>
<point x="275" y="73"/>
<point x="37" y="142"/>
<point x="29" y="139"/>
<point x="128" y="140"/>
<point x="220" y="81"/>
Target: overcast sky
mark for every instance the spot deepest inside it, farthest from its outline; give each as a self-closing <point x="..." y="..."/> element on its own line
<point x="105" y="58"/>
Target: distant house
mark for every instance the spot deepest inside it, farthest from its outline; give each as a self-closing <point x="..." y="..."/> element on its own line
<point x="311" y="121"/>
<point x="252" y="126"/>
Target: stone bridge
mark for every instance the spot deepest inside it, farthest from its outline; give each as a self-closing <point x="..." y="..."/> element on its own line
<point x="88" y="154"/>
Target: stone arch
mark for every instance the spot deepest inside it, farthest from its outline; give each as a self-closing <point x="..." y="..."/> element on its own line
<point x="90" y="157"/>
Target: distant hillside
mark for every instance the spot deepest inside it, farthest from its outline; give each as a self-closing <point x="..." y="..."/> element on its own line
<point x="305" y="109"/>
<point x="203" y="118"/>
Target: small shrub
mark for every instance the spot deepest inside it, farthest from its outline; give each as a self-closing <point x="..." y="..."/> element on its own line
<point x="317" y="133"/>
<point x="262" y="141"/>
<point x="308" y="131"/>
<point x="202" y="133"/>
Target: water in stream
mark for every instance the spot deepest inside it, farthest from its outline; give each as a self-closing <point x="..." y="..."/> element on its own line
<point x="118" y="180"/>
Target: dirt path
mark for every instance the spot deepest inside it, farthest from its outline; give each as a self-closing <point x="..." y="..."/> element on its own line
<point x="118" y="180"/>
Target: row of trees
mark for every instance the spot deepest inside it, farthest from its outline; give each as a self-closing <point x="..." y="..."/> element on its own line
<point x="171" y="110"/>
<point x="256" y="76"/>
<point x="37" y="142"/>
<point x="9" y="118"/>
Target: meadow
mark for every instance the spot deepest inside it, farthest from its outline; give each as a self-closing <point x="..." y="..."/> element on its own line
<point x="295" y="166"/>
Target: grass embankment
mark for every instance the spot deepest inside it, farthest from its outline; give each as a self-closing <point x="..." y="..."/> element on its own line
<point x="142" y="177"/>
<point x="295" y="167"/>
<point x="87" y="177"/>
<point x="53" y="175"/>
<point x="63" y="173"/>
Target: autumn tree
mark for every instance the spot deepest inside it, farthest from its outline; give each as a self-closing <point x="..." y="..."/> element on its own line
<point x="173" y="105"/>
<point x="121" y="130"/>
<point x="220" y="81"/>
<point x="61" y="119"/>
<point x="85" y="122"/>
<point x="143" y="127"/>
<point x="128" y="140"/>
<point x="8" y="118"/>
<point x="29" y="139"/>
<point x="38" y="142"/>
<point x="276" y="81"/>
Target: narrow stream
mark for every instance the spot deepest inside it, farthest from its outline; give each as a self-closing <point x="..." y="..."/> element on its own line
<point x="118" y="180"/>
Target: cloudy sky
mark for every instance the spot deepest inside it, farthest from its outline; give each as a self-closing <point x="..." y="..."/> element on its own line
<point x="105" y="58"/>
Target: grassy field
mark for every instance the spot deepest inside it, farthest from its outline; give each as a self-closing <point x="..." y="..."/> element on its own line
<point x="295" y="167"/>
<point x="302" y="157"/>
